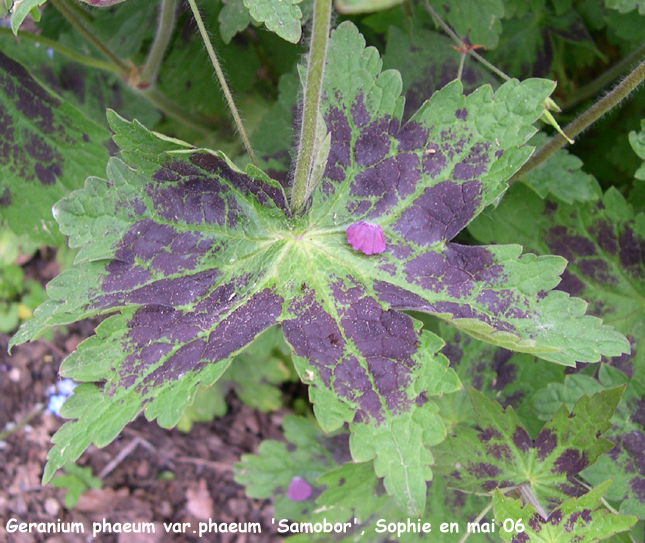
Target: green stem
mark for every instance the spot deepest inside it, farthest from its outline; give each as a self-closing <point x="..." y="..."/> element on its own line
<point x="476" y="521"/>
<point x="222" y="80"/>
<point x="313" y="92"/>
<point x="460" y="71"/>
<point x="67" y="12"/>
<point x="461" y="44"/>
<point x="593" y="88"/>
<point x="586" y="119"/>
<point x="165" y="27"/>
<point x="67" y="51"/>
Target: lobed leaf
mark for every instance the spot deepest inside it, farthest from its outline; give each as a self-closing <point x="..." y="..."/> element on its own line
<point x="625" y="6"/>
<point x="48" y="148"/>
<point x="512" y="379"/>
<point x="280" y="17"/>
<point x="603" y="242"/>
<point x="637" y="141"/>
<point x="198" y="258"/>
<point x="562" y="176"/>
<point x="479" y="21"/>
<point x="625" y="463"/>
<point x="578" y="520"/>
<point x="233" y="18"/>
<point x="501" y="455"/>
<point x="343" y="491"/>
<point x="427" y="63"/>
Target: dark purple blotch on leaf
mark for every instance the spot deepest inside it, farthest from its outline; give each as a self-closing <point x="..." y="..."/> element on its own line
<point x="299" y="489"/>
<point x="366" y="237"/>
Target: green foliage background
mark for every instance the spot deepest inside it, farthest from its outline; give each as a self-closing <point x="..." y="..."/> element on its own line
<point x="567" y="440"/>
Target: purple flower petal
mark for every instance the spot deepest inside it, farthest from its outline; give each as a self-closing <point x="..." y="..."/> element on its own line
<point x="299" y="490"/>
<point x="366" y="237"/>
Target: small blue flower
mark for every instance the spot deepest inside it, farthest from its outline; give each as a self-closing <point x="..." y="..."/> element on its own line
<point x="66" y="386"/>
<point x="50" y="52"/>
<point x="55" y="403"/>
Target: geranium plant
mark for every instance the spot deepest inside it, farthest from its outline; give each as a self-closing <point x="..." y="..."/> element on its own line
<point x="360" y="243"/>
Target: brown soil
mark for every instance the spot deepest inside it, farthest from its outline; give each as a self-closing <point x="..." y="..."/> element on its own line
<point x="201" y="460"/>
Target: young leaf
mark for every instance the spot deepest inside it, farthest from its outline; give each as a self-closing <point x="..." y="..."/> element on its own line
<point x="310" y="453"/>
<point x="200" y="258"/>
<point x="427" y="63"/>
<point x="625" y="6"/>
<point x="562" y="176"/>
<point x="637" y="140"/>
<point x="233" y="18"/>
<point x="344" y="491"/>
<point x="625" y="463"/>
<point x="479" y="21"/>
<point x="48" y="149"/>
<point x="578" y="520"/>
<point x="281" y="17"/>
<point x="501" y="454"/>
<point x="20" y="10"/>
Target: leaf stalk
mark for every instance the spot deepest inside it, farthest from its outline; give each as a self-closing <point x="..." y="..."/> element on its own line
<point x="222" y="81"/>
<point x="67" y="12"/>
<point x="476" y="521"/>
<point x="311" y="105"/>
<point x="595" y="86"/>
<point x="63" y="50"/>
<point x="165" y="28"/>
<point x="463" y="46"/>
<point x="585" y="119"/>
<point x="118" y="67"/>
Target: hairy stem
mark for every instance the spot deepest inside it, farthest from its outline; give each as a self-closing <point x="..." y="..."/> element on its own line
<point x="67" y="12"/>
<point x="476" y="521"/>
<point x="460" y="42"/>
<point x="593" y="88"/>
<point x="66" y="51"/>
<point x="165" y="27"/>
<point x="222" y="80"/>
<point x="311" y="105"/>
<point x="118" y="67"/>
<point x="586" y="119"/>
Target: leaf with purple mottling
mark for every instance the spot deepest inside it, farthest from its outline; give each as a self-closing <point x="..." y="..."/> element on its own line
<point x="578" y="520"/>
<point x="604" y="243"/>
<point x="625" y="463"/>
<point x="47" y="149"/>
<point x="501" y="454"/>
<point x="199" y="257"/>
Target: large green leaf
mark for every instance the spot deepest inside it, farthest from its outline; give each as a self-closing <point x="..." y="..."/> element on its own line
<point x="47" y="149"/>
<point x="501" y="455"/>
<point x="200" y="257"/>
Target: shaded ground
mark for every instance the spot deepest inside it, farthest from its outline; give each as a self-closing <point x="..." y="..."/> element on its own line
<point x="130" y="467"/>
